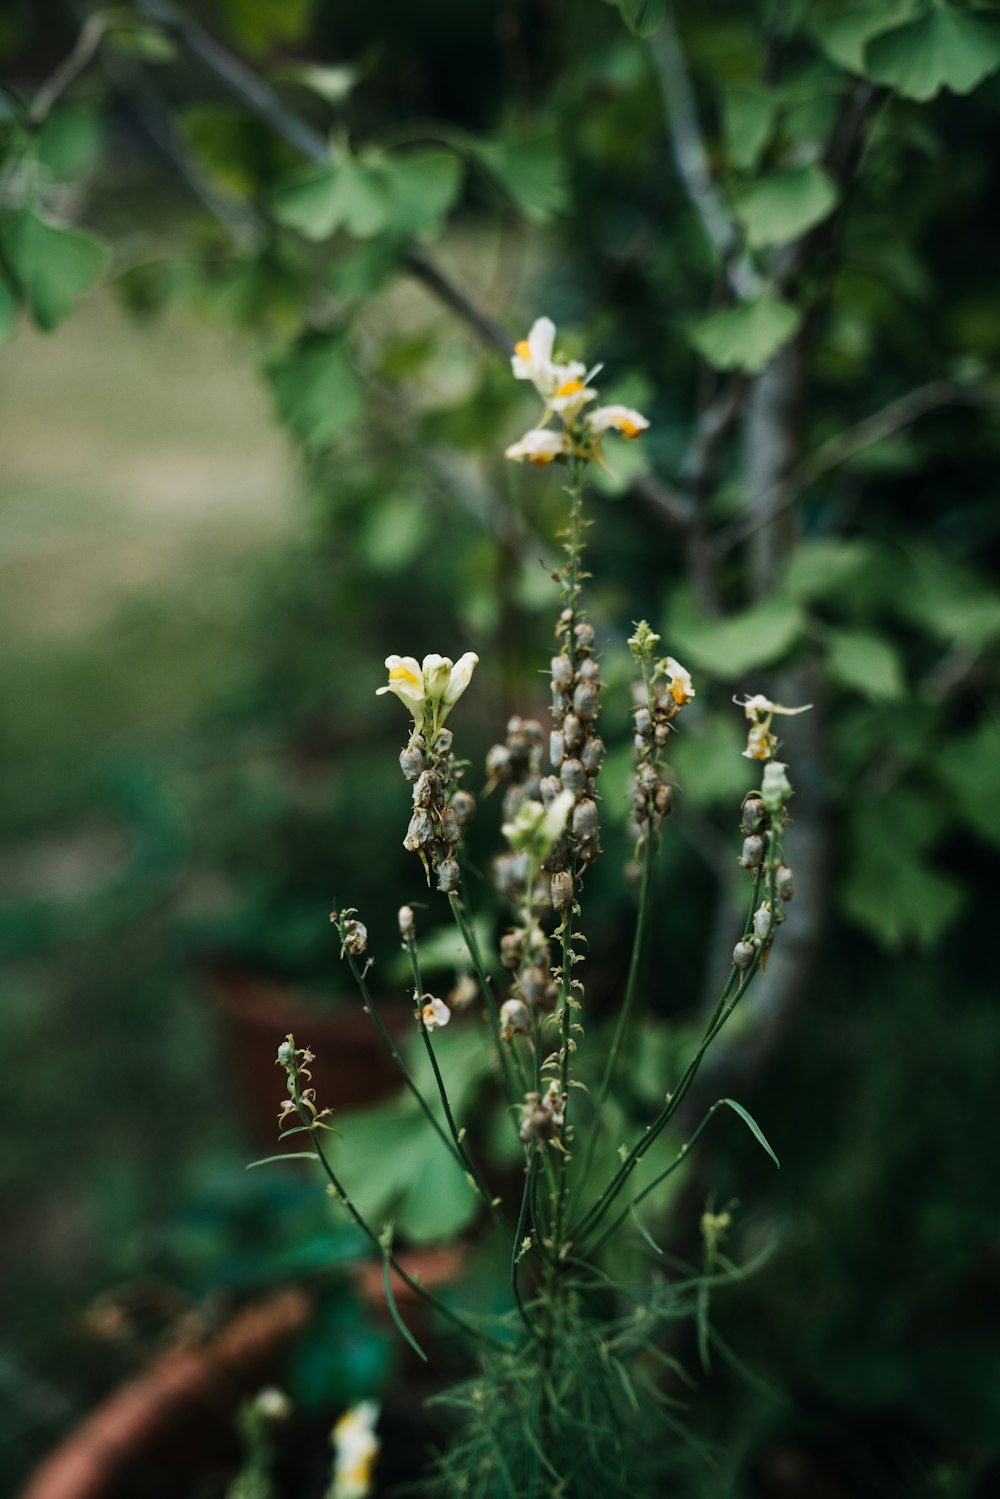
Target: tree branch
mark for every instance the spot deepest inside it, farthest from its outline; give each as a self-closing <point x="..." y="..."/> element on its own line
<point x="262" y="100"/>
<point x="90" y="36"/>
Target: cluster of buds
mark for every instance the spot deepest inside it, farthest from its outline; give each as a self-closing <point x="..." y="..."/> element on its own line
<point x="301" y="1101"/>
<point x="544" y="1115"/>
<point x="664" y="690"/>
<point x="533" y="832"/>
<point x="567" y="393"/>
<point x="576" y="752"/>
<point x="762" y="820"/>
<point x="440" y="814"/>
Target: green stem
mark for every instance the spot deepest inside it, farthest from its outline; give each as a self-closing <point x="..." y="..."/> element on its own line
<point x="472" y="1171"/>
<point x="531" y="1171"/>
<point x="469" y="937"/>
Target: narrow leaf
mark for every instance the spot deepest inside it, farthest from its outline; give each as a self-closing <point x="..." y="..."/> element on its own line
<point x="752" y="1126"/>
<point x="644" y="1231"/>
<point x="394" y="1311"/>
<point x="289" y="1155"/>
<point x="643" y="17"/>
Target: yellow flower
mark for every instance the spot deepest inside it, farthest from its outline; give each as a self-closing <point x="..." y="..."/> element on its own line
<point x="355" y="1449"/>
<point x="621" y="418"/>
<point x="532" y="360"/>
<point x="540" y="447"/>
<point x="430" y="690"/>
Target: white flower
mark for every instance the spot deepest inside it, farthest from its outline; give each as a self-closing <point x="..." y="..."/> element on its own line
<point x="532" y="360"/>
<point x="355" y="1449"/>
<point x="540" y="446"/>
<point x="436" y="685"/>
<point x="434" y="1012"/>
<point x="622" y="418"/>
<point x="761" y="743"/>
<point x="570" y="399"/>
<point x="759" y="706"/>
<point x="681" y="687"/>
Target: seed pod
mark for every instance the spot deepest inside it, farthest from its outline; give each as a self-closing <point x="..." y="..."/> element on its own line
<point x="784" y="882"/>
<point x="583" y="634"/>
<point x="752" y="815"/>
<point x="562" y="889"/>
<point x="743" y="955"/>
<point x="762" y="920"/>
<point x="589" y="671"/>
<point x="549" y="788"/>
<point x="663" y="800"/>
<point x="443" y="742"/>
<point x="643" y="723"/>
<point x="509" y="874"/>
<point x="586" y="821"/>
<point x="497" y="762"/>
<point x="514" y="797"/>
<point x="511" y="948"/>
<point x="639" y="744"/>
<point x="531" y="982"/>
<point x="558" y="855"/>
<point x="640" y="807"/>
<point x="420" y="832"/>
<point x="449" y="828"/>
<point x="407" y="924"/>
<point x="753" y="852"/>
<point x="562" y="673"/>
<point x="661" y="735"/>
<point x="586" y="704"/>
<point x="557" y="748"/>
<point x="533" y="732"/>
<point x="551" y="997"/>
<point x="355" y="937"/>
<point x="449" y="875"/>
<point x="649" y="779"/>
<point x="573" y="732"/>
<point x="573" y="776"/>
<point x="411" y="761"/>
<point x="463" y="804"/>
<point x="665" y="707"/>
<point x="425" y="790"/>
<point x="560" y="704"/>
<point x="592" y="754"/>
<point x="514" y="1019"/>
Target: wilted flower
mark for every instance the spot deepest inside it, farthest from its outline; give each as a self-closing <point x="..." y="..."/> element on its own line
<point x="430" y="690"/>
<point x="680" y="686"/>
<point x="434" y="1012"/>
<point x="761" y="743"/>
<point x="540" y="446"/>
<point x="355" y="1448"/>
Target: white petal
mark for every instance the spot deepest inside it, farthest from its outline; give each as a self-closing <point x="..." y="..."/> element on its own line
<point x="461" y="676"/>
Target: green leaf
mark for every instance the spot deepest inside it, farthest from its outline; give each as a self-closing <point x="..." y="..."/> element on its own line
<point x="748" y="336"/>
<point x="752" y="1126"/>
<point x="969" y="767"/>
<point x="784" y="205"/>
<point x="367" y="268"/>
<point x="706" y="755"/>
<point x="748" y="117"/>
<point x="70" y="142"/>
<point x="826" y="568"/>
<point x="865" y="664"/>
<point x="423" y="187"/>
<point x="288" y="1155"/>
<point x="394" y="1310"/>
<point x="8" y="308"/>
<point x="316" y="391"/>
<point x="729" y="648"/>
<point x="890" y="888"/>
<point x="333" y="84"/>
<point x="342" y="196"/>
<point x="942" y="49"/>
<point x="843" y="32"/>
<point x="643" y="17"/>
<point x="532" y="173"/>
<point x="53" y="264"/>
<point x="949" y="600"/>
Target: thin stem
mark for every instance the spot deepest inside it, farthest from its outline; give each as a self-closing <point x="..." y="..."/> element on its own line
<point x="531" y="1171"/>
<point x="469" y="938"/>
<point x="472" y="1171"/>
<point x="455" y="1317"/>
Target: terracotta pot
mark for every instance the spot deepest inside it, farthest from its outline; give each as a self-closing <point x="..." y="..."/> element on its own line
<point x="167" y="1425"/>
<point x="352" y="1069"/>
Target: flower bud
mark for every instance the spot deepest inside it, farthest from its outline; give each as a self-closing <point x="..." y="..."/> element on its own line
<point x="589" y="671"/>
<point x="355" y="937"/>
<point x="562" y="673"/>
<point x="463" y="804"/>
<point x="286" y="1054"/>
<point x="753" y="852"/>
<point x="643" y="723"/>
<point x="514" y="1019"/>
<point x="585" y="701"/>
<point x="572" y="731"/>
<point x="583" y="634"/>
<point x="549" y="788"/>
<point x="511" y="948"/>
<point x="753" y="814"/>
<point x="411" y="761"/>
<point x="273" y="1404"/>
<point x="449" y="875"/>
<point x="573" y="776"/>
<point x="592" y="754"/>
<point x="784" y="882"/>
<point x="562" y="889"/>
<point x="407" y="923"/>
<point x="557" y="748"/>
<point x="743" y="955"/>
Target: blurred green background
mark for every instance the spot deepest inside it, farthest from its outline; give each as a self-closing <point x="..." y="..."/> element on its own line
<point x="251" y="446"/>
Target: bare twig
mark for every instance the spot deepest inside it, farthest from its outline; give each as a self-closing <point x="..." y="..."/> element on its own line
<point x="259" y="97"/>
<point x="846" y="445"/>
<point x="90" y="36"/>
<point x="692" y="158"/>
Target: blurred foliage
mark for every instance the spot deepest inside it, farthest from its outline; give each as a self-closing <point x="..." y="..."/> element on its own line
<point x="526" y="148"/>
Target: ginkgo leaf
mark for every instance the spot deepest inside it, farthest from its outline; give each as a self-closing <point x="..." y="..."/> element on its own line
<point x="943" y="49"/>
